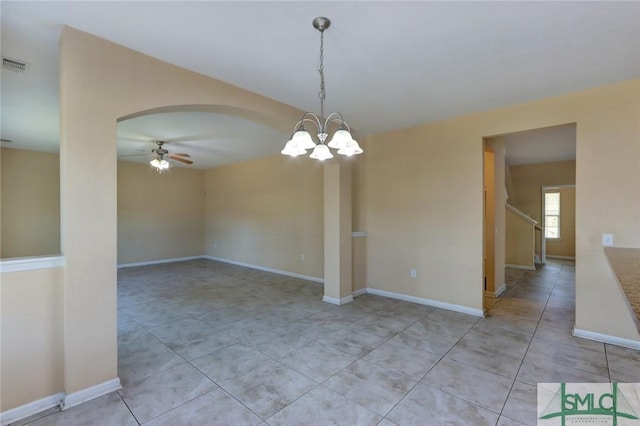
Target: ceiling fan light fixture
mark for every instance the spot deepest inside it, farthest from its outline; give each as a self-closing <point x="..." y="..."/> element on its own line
<point x="159" y="163"/>
<point x="342" y="140"/>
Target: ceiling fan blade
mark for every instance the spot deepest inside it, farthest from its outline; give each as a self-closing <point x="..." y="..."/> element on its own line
<point x="134" y="155"/>
<point x="180" y="155"/>
<point x="182" y="160"/>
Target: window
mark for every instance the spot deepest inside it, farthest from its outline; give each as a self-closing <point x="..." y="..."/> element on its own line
<point x="552" y="215"/>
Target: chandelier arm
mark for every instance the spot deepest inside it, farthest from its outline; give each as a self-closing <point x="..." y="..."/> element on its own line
<point x="335" y="117"/>
<point x="315" y="120"/>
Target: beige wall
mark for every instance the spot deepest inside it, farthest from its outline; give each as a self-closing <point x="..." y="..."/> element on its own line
<point x="30" y="203"/>
<point x="359" y="262"/>
<point x="267" y="212"/>
<point x="423" y="201"/>
<point x="31" y="350"/>
<point x="520" y="241"/>
<point x="423" y="211"/>
<point x="96" y="91"/>
<point x="565" y="246"/>
<point x="160" y="216"/>
<point x="527" y="181"/>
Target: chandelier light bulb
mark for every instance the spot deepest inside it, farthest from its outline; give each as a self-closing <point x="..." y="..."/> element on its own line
<point x="303" y="140"/>
<point x="321" y="152"/>
<point x="340" y="139"/>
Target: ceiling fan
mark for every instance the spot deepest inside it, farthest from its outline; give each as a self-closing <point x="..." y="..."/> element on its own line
<point x="160" y="155"/>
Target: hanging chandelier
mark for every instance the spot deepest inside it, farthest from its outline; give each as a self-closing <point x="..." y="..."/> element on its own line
<point x="301" y="140"/>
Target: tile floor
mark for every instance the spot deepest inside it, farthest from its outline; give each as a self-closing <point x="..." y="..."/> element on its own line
<point x="206" y="343"/>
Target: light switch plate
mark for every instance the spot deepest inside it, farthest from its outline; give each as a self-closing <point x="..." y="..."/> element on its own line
<point x="607" y="240"/>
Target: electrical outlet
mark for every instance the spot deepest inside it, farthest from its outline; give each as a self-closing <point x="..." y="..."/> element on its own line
<point x="607" y="239"/>
<point x="302" y="258"/>
<point x="215" y="244"/>
<point x="413" y="273"/>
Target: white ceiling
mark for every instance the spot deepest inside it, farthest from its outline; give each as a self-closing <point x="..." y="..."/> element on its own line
<point x="557" y="143"/>
<point x="210" y="139"/>
<point x="388" y="65"/>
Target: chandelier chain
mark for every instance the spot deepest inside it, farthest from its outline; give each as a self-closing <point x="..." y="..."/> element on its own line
<point x="322" y="94"/>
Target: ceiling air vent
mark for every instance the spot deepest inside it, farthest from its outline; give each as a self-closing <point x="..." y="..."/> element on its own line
<point x="14" y="65"/>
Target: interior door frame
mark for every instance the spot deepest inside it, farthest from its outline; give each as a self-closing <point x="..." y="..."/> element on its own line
<point x="543" y="241"/>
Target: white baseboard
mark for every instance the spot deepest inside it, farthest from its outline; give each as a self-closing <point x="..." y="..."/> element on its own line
<point x="34" y="407"/>
<point x="496" y="293"/>
<point x="84" y="395"/>
<point x="359" y="292"/>
<point x="551" y="256"/>
<point x="528" y="268"/>
<point x="334" y="301"/>
<point x="605" y="338"/>
<point x="157" y="262"/>
<point x="427" y="302"/>
<point x="266" y="269"/>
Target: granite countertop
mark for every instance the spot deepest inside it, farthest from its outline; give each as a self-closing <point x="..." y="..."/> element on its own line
<point x="625" y="262"/>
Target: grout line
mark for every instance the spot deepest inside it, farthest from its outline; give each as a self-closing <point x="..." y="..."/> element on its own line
<point x="128" y="408"/>
<point x="606" y="357"/>
<point x="530" y="341"/>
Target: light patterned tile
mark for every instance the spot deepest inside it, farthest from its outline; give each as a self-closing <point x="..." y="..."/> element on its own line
<point x="402" y="358"/>
<point x="371" y="386"/>
<point x="489" y="358"/>
<point x="164" y="391"/>
<point x="317" y="361"/>
<point x="426" y="339"/>
<point x="534" y="371"/>
<point x="522" y="404"/>
<point x="506" y="421"/>
<point x="591" y="360"/>
<point x="472" y="384"/>
<point x="107" y="410"/>
<point x="215" y="407"/>
<point x="353" y="342"/>
<point x="624" y="364"/>
<point x="268" y="389"/>
<point x="145" y="357"/>
<point x="231" y="362"/>
<point x="427" y="405"/>
<point x="336" y="410"/>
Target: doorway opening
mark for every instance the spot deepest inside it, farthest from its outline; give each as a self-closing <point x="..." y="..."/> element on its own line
<point x="519" y="170"/>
